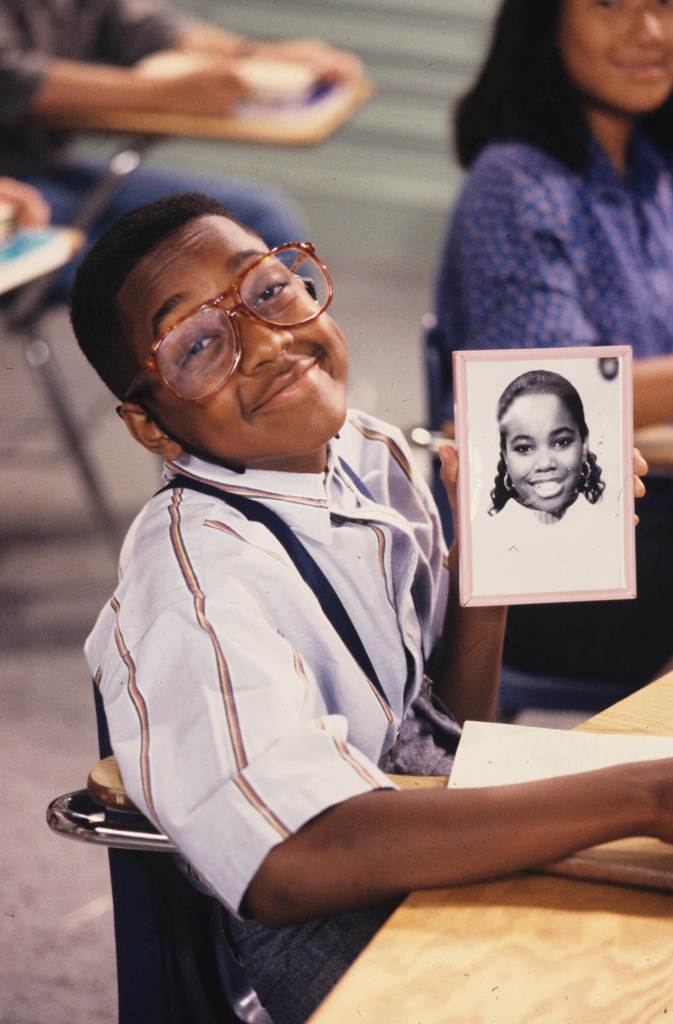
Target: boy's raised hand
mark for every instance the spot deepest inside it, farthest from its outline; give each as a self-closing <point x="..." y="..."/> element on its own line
<point x="640" y="468"/>
<point x="448" y="456"/>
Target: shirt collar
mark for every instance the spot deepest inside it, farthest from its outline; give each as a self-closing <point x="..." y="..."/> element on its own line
<point x="645" y="165"/>
<point x="301" y="498"/>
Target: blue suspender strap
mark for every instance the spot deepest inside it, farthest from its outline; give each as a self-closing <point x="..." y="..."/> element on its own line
<point x="360" y="484"/>
<point x="307" y="567"/>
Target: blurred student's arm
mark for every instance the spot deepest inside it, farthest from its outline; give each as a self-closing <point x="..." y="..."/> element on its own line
<point x="30" y="209"/>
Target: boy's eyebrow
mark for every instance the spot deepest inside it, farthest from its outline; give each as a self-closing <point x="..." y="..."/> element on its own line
<point x="235" y="261"/>
<point x="164" y="309"/>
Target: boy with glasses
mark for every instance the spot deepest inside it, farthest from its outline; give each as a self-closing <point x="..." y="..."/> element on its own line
<point x="263" y="659"/>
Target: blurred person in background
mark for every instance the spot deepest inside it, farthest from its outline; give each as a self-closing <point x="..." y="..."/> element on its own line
<point x="28" y="208"/>
<point x="59" y="55"/>
<point x="562" y="235"/>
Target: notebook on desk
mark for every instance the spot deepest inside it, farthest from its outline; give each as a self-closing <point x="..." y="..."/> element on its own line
<point x="493" y="754"/>
<point x="31" y="254"/>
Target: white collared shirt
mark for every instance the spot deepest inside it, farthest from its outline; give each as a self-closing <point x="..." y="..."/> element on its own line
<point x="236" y="712"/>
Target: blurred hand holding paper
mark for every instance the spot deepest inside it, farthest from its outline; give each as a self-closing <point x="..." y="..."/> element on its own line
<point x="28" y="255"/>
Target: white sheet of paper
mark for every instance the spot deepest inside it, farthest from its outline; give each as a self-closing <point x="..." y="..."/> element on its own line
<point x="496" y="754"/>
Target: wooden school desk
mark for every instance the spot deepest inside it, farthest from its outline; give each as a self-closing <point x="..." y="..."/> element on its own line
<point x="529" y="949"/>
<point x="295" y="126"/>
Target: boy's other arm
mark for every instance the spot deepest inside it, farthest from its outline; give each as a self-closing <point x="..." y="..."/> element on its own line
<point x="466" y="665"/>
<point x="652" y="390"/>
<point x="383" y="844"/>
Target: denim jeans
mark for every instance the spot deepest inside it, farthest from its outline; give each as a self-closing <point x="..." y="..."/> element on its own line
<point x="293" y="969"/>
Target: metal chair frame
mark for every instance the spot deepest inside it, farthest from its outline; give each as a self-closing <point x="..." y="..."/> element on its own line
<point x="174" y="961"/>
<point x="24" y="313"/>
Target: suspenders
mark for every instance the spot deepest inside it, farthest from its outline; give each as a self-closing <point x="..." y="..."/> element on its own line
<point x="308" y="568"/>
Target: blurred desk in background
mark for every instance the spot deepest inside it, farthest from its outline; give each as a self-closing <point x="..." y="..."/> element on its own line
<point x="294" y="125"/>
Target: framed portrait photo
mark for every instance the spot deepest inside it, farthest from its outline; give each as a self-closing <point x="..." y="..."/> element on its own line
<point x="545" y="495"/>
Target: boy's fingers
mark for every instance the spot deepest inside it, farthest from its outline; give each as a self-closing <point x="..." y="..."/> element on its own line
<point x="448" y="457"/>
<point x="640" y="466"/>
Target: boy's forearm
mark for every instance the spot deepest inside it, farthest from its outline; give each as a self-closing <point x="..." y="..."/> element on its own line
<point x="466" y="670"/>
<point x="653" y="390"/>
<point x="381" y="845"/>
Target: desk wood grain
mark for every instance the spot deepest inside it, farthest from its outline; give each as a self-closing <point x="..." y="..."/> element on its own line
<point x="515" y="951"/>
<point x="526" y="949"/>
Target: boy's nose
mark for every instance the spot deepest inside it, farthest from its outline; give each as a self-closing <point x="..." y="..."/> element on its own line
<point x="260" y="344"/>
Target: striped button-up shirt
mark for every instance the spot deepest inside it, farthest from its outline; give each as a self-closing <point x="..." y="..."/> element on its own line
<point x="236" y="711"/>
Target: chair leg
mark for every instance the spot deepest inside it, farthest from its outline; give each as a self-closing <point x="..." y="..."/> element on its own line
<point x="32" y="301"/>
<point x="39" y="357"/>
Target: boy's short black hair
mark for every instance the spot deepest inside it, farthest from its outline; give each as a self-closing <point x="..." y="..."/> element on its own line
<point x="94" y="312"/>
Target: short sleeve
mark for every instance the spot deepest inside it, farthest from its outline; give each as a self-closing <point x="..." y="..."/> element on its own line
<point x="222" y="736"/>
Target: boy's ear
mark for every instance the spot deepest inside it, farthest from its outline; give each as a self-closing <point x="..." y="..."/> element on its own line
<point x="144" y="430"/>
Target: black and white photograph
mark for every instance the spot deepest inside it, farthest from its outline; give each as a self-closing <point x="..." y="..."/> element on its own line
<point x="546" y="502"/>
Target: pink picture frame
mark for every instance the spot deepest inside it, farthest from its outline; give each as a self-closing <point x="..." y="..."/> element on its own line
<point x="545" y="489"/>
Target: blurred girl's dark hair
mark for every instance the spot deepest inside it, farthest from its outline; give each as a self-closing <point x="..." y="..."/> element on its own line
<point x="545" y="382"/>
<point x="523" y="92"/>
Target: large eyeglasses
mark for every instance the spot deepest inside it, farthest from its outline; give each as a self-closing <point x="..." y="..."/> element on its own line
<point x="196" y="356"/>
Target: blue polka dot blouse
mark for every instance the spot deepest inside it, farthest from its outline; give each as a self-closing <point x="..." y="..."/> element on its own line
<point x="539" y="255"/>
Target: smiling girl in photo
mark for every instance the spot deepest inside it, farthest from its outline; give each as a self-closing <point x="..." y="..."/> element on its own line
<point x="545" y="462"/>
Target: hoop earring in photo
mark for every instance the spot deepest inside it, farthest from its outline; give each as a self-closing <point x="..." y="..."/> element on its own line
<point x="507" y="481"/>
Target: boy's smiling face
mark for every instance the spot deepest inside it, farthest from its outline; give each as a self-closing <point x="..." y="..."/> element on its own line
<point x="287" y="396"/>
